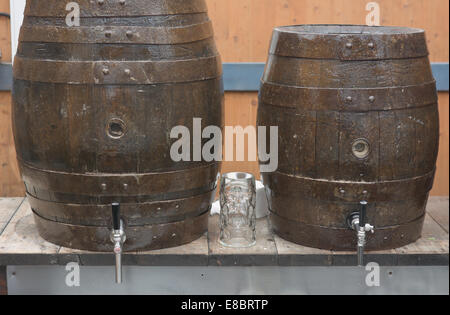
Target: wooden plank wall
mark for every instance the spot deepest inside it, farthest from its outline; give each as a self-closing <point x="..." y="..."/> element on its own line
<point x="243" y="30"/>
<point x="10" y="183"/>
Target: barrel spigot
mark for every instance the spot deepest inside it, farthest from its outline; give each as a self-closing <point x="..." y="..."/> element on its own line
<point x="118" y="238"/>
<point x="357" y="222"/>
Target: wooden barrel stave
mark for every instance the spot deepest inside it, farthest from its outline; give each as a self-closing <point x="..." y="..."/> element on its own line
<point x="85" y="148"/>
<point x="89" y="8"/>
<point x="134" y="214"/>
<point x="338" y="74"/>
<point x="344" y="239"/>
<point x="329" y="88"/>
<point x="318" y="144"/>
<point x="143" y="237"/>
<point x="106" y="52"/>
<point x="93" y="109"/>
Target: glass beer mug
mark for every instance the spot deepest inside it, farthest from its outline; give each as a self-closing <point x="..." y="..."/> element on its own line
<point x="237" y="210"/>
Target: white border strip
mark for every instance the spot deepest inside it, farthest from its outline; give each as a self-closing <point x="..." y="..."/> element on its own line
<point x="17" y="7"/>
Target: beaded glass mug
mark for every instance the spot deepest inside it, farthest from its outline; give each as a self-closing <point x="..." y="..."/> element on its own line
<point x="237" y="210"/>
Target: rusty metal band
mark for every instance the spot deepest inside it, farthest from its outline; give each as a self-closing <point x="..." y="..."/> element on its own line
<point x="344" y="191"/>
<point x="335" y="213"/>
<point x="147" y="237"/>
<point x="120" y="184"/>
<point x="132" y="52"/>
<point x="117" y="72"/>
<point x="90" y="8"/>
<point x="349" y="46"/>
<point x="117" y="34"/>
<point x="345" y="239"/>
<point x="339" y="74"/>
<point x="322" y="99"/>
<point x="74" y="198"/>
<point x="133" y="214"/>
<point x="147" y="21"/>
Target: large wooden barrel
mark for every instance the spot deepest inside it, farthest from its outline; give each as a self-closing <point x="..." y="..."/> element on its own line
<point x="358" y="121"/>
<point x="93" y="110"/>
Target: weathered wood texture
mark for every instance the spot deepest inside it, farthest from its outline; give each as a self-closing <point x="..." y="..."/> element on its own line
<point x="20" y="244"/>
<point x="232" y="21"/>
<point x="8" y="207"/>
<point x="358" y="120"/>
<point x="10" y="182"/>
<point x="93" y="109"/>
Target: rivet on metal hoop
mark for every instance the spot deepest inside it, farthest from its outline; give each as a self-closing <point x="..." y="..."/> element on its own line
<point x="349" y="99"/>
<point x="122" y="2"/>
<point x="371" y="45"/>
<point x="349" y="45"/>
<point x="372" y="99"/>
<point x="101" y="2"/>
<point x="129" y="34"/>
<point x="105" y="71"/>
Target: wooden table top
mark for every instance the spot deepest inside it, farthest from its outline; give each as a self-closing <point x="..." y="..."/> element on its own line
<point x="20" y="244"/>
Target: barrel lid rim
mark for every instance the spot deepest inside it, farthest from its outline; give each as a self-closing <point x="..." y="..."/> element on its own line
<point x="301" y="29"/>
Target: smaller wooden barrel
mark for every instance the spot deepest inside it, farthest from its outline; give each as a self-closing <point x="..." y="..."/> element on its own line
<point x="358" y="121"/>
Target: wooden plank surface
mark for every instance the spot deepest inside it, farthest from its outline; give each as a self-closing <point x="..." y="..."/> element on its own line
<point x="192" y="254"/>
<point x="20" y="244"/>
<point x="8" y="207"/>
<point x="264" y="253"/>
<point x="434" y="241"/>
<point x="439" y="211"/>
<point x="290" y="254"/>
<point x="243" y="30"/>
<point x="10" y="183"/>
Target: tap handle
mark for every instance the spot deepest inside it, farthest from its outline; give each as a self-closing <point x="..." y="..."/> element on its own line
<point x="116" y="216"/>
<point x="362" y="213"/>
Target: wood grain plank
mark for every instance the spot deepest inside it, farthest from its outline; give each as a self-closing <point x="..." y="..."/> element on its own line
<point x="438" y="209"/>
<point x="11" y="184"/>
<point x="20" y="244"/>
<point x="5" y="31"/>
<point x="441" y="186"/>
<point x="264" y="253"/>
<point x="21" y="236"/>
<point x="8" y="207"/>
<point x="291" y="254"/>
<point x="434" y="240"/>
<point x="192" y="254"/>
